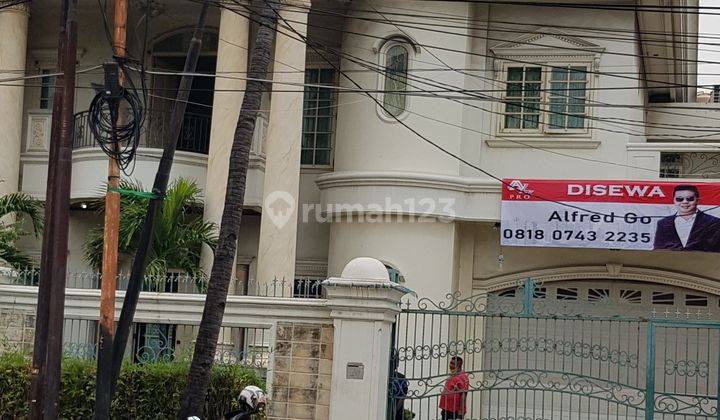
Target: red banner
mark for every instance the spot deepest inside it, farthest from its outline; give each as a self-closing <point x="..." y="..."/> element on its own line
<point x="679" y="216"/>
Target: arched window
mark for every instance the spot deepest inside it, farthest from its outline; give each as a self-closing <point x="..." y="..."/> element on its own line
<point x="395" y="82"/>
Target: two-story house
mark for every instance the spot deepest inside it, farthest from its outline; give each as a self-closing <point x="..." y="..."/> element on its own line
<point x="383" y="162"/>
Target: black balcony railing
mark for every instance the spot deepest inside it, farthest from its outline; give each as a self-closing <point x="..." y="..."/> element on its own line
<point x="194" y="135"/>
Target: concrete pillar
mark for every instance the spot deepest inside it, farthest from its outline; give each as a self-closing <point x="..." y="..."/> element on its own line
<point x="363" y="304"/>
<point x="278" y="226"/>
<point x="13" y="49"/>
<point x="232" y="56"/>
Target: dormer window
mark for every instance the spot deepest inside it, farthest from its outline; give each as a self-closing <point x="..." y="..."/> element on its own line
<point x="545" y="98"/>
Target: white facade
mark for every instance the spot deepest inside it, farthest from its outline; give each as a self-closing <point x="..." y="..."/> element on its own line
<point x="365" y="193"/>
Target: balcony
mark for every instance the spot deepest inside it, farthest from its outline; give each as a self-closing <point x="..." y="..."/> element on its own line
<point x="703" y="165"/>
<point x="194" y="134"/>
<point x="90" y="163"/>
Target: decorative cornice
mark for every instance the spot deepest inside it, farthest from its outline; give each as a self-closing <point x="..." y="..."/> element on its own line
<point x="609" y="271"/>
<point x="526" y="45"/>
<point x="673" y="147"/>
<point x="408" y="179"/>
<point x="545" y="144"/>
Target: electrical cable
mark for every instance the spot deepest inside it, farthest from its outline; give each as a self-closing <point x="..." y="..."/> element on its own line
<point x="417" y="133"/>
<point x="432" y="82"/>
<point x="120" y="141"/>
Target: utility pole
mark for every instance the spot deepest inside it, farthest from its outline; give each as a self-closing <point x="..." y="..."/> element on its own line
<point x="162" y="177"/>
<point x="114" y="81"/>
<point x="47" y="350"/>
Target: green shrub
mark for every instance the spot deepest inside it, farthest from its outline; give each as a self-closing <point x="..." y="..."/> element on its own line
<point x="144" y="391"/>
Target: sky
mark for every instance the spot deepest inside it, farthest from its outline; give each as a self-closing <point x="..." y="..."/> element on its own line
<point x="709" y="74"/>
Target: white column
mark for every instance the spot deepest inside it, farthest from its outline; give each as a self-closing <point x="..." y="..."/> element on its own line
<point x="363" y="304"/>
<point x="13" y="48"/>
<point x="232" y="58"/>
<point x="278" y="226"/>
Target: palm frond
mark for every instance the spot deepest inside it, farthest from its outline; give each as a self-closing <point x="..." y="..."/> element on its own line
<point x="24" y="205"/>
<point x="180" y="231"/>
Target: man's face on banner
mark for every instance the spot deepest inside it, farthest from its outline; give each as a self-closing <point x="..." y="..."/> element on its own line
<point x="686" y="202"/>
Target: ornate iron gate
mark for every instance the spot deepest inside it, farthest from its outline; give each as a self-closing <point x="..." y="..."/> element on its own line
<point x="528" y="358"/>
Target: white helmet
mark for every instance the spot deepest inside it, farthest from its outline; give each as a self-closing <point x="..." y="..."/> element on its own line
<point x="253" y="397"/>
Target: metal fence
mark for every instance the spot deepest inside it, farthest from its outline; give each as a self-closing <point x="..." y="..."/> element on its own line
<point x="527" y="359"/>
<point x="149" y="342"/>
<point x="301" y="287"/>
<point x="194" y="134"/>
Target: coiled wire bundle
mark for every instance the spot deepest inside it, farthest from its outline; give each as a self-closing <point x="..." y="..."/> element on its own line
<point x="117" y="137"/>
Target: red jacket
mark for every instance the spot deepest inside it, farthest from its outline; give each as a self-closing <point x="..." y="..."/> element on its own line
<point x="455" y="392"/>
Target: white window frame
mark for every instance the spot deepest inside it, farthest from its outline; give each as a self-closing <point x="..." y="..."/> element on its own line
<point x="333" y="118"/>
<point x="544" y="128"/>
<point x="382" y="61"/>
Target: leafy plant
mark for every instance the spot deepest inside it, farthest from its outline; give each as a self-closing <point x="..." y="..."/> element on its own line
<point x="22" y="206"/>
<point x="144" y="391"/>
<point x="179" y="236"/>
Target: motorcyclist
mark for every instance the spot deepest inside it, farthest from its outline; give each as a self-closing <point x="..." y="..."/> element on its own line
<point x="251" y="400"/>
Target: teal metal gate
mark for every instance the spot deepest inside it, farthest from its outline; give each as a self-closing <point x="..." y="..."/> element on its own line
<point x="530" y="359"/>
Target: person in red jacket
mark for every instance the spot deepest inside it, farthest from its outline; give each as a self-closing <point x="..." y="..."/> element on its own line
<point x="454" y="395"/>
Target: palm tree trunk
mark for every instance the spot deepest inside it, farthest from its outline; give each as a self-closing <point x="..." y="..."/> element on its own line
<point x="206" y="343"/>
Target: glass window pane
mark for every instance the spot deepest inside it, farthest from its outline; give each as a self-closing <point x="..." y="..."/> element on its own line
<point x="532" y="73"/>
<point x="394" y="103"/>
<point x="327" y="76"/>
<point x="512" y="107"/>
<point x="559" y="74"/>
<point x="531" y="121"/>
<point x="308" y="124"/>
<point x="512" y="121"/>
<point x="557" y="121"/>
<point x="324" y="108"/>
<point x="557" y="116"/>
<point x="397" y="59"/>
<point x="532" y="90"/>
<point x="310" y="108"/>
<point x="311" y="93"/>
<point x="322" y="157"/>
<point x="532" y="107"/>
<point x="318" y="111"/>
<point x="515" y="74"/>
<point x="558" y="89"/>
<point x="578" y="73"/>
<point x="576" y="109"/>
<point x="577" y="89"/>
<point x="322" y="140"/>
<point x="307" y="140"/>
<point x="514" y="89"/>
<point x="576" y="121"/>
<point x="323" y="125"/>
<point x="306" y="157"/>
<point x="325" y="93"/>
